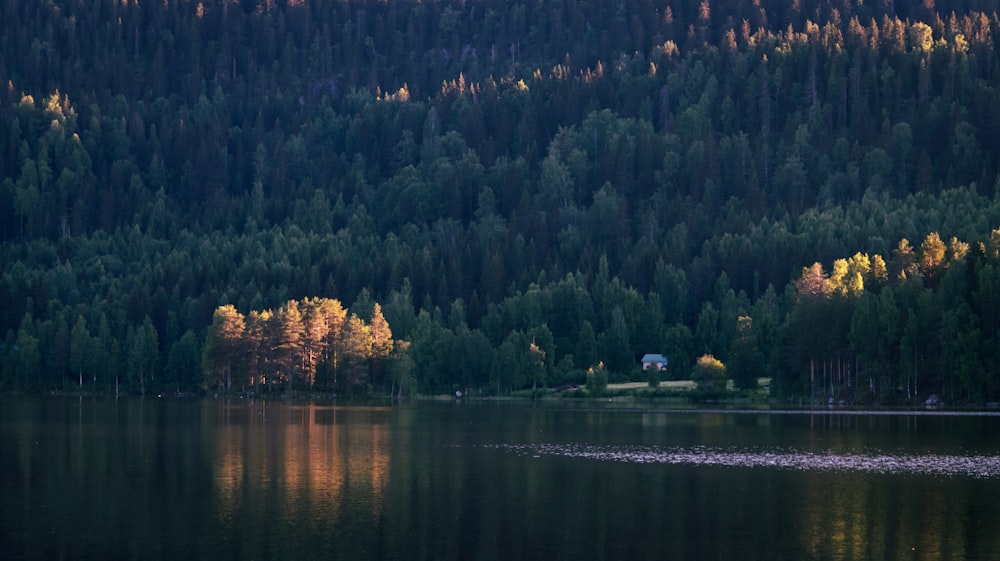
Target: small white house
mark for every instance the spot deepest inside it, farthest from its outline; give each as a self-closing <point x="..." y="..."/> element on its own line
<point x="657" y="361"/>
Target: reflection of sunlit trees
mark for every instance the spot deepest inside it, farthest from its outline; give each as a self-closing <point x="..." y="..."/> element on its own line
<point x="321" y="454"/>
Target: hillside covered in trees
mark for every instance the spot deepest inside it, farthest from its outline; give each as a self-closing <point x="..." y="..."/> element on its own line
<point x="521" y="190"/>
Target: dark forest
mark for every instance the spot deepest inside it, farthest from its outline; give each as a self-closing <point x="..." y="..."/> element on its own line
<point x="402" y="197"/>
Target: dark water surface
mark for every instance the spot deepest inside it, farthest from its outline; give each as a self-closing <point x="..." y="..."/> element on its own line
<point x="99" y="478"/>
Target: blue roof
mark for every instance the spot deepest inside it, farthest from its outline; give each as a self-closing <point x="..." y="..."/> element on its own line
<point x="653" y="358"/>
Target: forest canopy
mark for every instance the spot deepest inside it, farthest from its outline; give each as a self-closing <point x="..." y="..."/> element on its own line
<point x="529" y="190"/>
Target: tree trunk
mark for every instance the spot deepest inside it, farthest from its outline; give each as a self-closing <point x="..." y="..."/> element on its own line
<point x="812" y="379"/>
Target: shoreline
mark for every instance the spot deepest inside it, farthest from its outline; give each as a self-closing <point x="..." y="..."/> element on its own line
<point x="623" y="401"/>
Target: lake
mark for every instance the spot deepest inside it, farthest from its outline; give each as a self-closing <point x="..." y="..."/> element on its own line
<point x="175" y="479"/>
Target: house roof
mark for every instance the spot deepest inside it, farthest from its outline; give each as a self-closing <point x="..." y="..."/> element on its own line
<point x="653" y="358"/>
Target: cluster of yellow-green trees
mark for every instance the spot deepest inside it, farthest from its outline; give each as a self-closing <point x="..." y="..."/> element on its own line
<point x="923" y="322"/>
<point x="313" y="343"/>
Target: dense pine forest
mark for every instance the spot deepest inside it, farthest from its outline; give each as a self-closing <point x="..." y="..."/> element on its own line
<point x="406" y="197"/>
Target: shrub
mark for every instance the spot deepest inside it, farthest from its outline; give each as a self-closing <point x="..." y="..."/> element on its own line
<point x="597" y="378"/>
<point x="709" y="373"/>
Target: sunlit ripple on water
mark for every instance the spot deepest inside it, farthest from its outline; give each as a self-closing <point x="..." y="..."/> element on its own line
<point x="977" y="466"/>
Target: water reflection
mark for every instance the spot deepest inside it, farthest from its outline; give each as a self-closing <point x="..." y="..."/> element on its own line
<point x="977" y="466"/>
<point x="191" y="479"/>
<point x="309" y="457"/>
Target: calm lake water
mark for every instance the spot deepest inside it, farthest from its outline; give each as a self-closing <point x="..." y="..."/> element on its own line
<point x="99" y="478"/>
